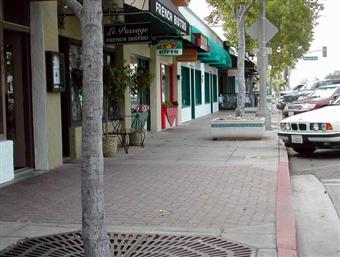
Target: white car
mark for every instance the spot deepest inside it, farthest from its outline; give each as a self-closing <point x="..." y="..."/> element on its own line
<point x="308" y="131"/>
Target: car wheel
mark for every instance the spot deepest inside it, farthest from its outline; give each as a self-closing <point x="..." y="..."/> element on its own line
<point x="304" y="150"/>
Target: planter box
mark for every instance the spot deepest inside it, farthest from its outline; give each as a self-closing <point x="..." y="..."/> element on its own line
<point x="232" y="127"/>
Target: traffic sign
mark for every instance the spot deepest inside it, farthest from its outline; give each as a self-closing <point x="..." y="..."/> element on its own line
<point x="309" y="58"/>
<point x="270" y="30"/>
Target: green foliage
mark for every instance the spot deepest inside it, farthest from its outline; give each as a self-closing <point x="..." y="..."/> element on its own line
<point x="295" y="20"/>
<point x="116" y="79"/>
<point x="170" y="104"/>
<point x="141" y="80"/>
<point x="225" y="11"/>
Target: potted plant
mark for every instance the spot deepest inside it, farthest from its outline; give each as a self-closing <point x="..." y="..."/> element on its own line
<point x="116" y="79"/>
<point x="142" y="79"/>
<point x="170" y="111"/>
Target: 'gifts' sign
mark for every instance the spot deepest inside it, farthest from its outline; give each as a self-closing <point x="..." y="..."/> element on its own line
<point x="127" y="33"/>
<point x="170" y="47"/>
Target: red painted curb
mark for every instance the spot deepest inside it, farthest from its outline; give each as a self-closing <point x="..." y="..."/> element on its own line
<point x="285" y="219"/>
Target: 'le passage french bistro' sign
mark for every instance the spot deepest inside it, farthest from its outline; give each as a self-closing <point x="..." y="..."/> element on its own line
<point x="127" y="33"/>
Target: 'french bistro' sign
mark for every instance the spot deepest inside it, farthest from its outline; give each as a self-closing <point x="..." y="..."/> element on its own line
<point x="127" y="33"/>
<point x="161" y="10"/>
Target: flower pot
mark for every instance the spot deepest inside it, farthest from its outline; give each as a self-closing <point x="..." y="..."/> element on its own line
<point x="171" y="114"/>
<point x="237" y="128"/>
<point x="110" y="146"/>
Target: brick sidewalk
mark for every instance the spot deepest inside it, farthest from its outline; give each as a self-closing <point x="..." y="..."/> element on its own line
<point x="181" y="179"/>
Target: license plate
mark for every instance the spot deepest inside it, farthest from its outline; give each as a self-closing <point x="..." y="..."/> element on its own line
<point x="297" y="139"/>
<point x="290" y="114"/>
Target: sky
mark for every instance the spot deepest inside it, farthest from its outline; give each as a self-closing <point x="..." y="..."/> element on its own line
<point x="326" y="33"/>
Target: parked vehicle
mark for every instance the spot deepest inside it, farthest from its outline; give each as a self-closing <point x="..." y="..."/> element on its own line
<point x="319" y="98"/>
<point x="307" y="90"/>
<point x="308" y="131"/>
<point x="281" y="103"/>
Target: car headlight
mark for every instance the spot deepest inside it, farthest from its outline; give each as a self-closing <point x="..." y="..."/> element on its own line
<point x="315" y="126"/>
<point x="285" y="126"/>
<point x="308" y="106"/>
<point x="321" y="126"/>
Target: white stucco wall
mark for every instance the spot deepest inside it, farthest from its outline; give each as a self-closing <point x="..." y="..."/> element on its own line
<point x="204" y="108"/>
<point x="6" y="161"/>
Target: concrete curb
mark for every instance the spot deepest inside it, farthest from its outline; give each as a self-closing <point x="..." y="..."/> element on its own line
<point x="286" y="239"/>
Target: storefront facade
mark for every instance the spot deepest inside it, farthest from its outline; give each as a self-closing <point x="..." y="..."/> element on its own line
<point x="41" y="125"/>
<point x="200" y="75"/>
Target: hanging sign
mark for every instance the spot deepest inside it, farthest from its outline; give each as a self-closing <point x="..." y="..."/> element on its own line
<point x="170" y="47"/>
<point x="127" y="33"/>
<point x="202" y="42"/>
<point x="188" y="55"/>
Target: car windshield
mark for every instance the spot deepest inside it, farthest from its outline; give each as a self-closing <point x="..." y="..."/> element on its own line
<point x="324" y="92"/>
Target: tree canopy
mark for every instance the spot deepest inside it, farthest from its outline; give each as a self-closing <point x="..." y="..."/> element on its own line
<point x="295" y="20"/>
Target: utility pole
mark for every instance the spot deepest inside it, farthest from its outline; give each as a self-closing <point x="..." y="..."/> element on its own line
<point x="262" y="65"/>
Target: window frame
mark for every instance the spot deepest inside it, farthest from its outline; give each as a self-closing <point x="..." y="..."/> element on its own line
<point x="187" y="88"/>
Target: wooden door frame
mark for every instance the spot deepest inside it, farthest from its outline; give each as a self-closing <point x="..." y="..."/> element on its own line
<point x="171" y="79"/>
<point x="27" y="92"/>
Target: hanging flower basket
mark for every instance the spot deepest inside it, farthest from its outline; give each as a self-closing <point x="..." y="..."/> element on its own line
<point x="171" y="114"/>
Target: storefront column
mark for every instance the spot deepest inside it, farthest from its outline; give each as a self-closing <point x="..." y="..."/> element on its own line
<point x="46" y="106"/>
<point x="155" y="91"/>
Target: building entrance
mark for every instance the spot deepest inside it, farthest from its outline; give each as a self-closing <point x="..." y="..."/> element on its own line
<point x="18" y="97"/>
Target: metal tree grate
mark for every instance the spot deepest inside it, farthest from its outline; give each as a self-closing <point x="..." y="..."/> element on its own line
<point x="131" y="245"/>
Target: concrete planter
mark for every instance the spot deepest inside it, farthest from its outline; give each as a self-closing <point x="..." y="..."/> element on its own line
<point x="234" y="127"/>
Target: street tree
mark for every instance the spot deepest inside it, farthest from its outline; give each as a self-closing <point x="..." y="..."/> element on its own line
<point x="238" y="10"/>
<point x="90" y="15"/>
<point x="294" y="19"/>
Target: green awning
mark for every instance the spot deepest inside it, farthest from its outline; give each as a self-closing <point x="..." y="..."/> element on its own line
<point x="217" y="56"/>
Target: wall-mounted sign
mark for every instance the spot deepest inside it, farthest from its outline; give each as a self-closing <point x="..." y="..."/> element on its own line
<point x="170" y="47"/>
<point x="202" y="42"/>
<point x="188" y="55"/>
<point x="232" y="73"/>
<point x="165" y="10"/>
<point x="55" y="71"/>
<point x="127" y="33"/>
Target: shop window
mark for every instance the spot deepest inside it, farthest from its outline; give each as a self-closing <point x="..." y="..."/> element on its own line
<point x="141" y="96"/>
<point x="17" y="11"/>
<point x="185" y="86"/>
<point x="198" y="87"/>
<point x="214" y="83"/>
<point x="206" y="88"/>
<point x="76" y="82"/>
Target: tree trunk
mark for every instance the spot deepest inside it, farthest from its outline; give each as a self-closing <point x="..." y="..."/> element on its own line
<point x="94" y="234"/>
<point x="240" y="66"/>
